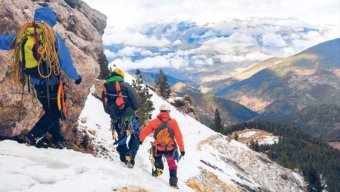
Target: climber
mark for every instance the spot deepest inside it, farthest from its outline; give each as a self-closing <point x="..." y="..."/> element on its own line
<point x="121" y="101"/>
<point x="29" y="44"/>
<point x="166" y="134"/>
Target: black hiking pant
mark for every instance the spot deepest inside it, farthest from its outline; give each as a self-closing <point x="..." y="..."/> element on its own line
<point x="50" y="121"/>
<point x="170" y="158"/>
<point x="132" y="147"/>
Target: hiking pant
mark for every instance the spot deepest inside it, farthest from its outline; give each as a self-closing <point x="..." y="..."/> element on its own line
<point x="170" y="158"/>
<point x="49" y="122"/>
<point x="124" y="129"/>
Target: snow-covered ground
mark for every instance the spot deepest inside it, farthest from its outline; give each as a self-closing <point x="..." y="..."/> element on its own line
<point x="262" y="137"/>
<point x="227" y="164"/>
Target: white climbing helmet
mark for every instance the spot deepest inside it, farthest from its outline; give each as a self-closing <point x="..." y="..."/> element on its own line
<point x="164" y="107"/>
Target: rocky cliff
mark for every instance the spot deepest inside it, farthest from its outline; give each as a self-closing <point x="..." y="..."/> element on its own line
<point x="82" y="28"/>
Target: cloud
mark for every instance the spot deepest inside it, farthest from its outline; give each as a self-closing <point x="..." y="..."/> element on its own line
<point x="109" y="54"/>
<point x="128" y="37"/>
<point x="273" y="40"/>
<point x="136" y="12"/>
<point x="170" y="60"/>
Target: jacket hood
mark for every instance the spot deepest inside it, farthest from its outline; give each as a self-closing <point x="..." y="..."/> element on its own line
<point x="163" y="115"/>
<point x="114" y="79"/>
<point x="46" y="15"/>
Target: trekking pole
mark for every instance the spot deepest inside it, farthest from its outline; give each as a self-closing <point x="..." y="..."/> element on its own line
<point x="151" y="158"/>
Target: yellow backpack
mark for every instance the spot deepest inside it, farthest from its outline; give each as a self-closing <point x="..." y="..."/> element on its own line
<point x="35" y="51"/>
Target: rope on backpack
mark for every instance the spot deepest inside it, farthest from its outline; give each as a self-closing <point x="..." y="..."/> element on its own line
<point x="47" y="51"/>
<point x="61" y="98"/>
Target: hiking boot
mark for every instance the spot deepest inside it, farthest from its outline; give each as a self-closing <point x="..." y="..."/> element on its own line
<point x="29" y="139"/>
<point x="39" y="142"/>
<point x="129" y="161"/>
<point x="173" y="182"/>
<point x="157" y="172"/>
<point x="60" y="144"/>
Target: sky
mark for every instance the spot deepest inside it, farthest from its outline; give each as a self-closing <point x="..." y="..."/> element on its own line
<point x="128" y="20"/>
<point x="30" y="169"/>
<point x="134" y="12"/>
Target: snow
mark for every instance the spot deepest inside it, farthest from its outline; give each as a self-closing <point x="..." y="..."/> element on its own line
<point x="268" y="140"/>
<point x="248" y="134"/>
<point x="31" y="169"/>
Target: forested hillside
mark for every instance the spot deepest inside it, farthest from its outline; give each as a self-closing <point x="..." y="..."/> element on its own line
<point x="299" y="150"/>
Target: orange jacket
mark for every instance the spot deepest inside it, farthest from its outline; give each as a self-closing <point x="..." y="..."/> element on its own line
<point x="155" y="123"/>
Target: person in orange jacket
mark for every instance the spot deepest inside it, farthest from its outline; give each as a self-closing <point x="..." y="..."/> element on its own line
<point x="167" y="136"/>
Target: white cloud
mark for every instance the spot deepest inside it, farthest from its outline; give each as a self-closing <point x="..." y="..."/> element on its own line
<point x="127" y="51"/>
<point x="273" y="40"/>
<point x="128" y="37"/>
<point x="178" y="62"/>
<point x="146" y="63"/>
<point x="109" y="54"/>
<point x="136" y="12"/>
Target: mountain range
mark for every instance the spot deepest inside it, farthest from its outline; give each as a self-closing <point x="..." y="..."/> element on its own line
<point x="303" y="89"/>
<point x="203" y="53"/>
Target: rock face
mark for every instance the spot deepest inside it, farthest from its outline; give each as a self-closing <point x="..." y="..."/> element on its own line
<point x="82" y="28"/>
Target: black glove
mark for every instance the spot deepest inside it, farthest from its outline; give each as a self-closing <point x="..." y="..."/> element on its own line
<point x="78" y="81"/>
<point x="182" y="153"/>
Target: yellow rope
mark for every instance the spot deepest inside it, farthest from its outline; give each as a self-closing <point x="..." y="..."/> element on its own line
<point x="47" y="50"/>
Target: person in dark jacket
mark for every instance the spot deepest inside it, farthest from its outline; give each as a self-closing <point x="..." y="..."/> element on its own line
<point x="50" y="121"/>
<point x="123" y="120"/>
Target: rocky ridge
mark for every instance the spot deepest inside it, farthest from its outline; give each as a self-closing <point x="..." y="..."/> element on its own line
<point x="82" y="28"/>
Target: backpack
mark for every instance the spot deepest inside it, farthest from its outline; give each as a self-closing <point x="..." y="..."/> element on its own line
<point x="35" y="51"/>
<point x="164" y="136"/>
<point x="114" y="101"/>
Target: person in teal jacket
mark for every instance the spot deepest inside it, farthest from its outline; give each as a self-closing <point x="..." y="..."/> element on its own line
<point x="50" y="121"/>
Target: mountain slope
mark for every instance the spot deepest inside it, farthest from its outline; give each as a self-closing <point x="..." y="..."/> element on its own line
<point x="212" y="162"/>
<point x="231" y="112"/>
<point x="305" y="79"/>
<point x="320" y="121"/>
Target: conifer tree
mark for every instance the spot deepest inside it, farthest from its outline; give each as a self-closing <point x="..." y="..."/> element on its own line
<point x="103" y="63"/>
<point x="162" y="85"/>
<point x="146" y="105"/>
<point x="218" y="126"/>
<point x="313" y="179"/>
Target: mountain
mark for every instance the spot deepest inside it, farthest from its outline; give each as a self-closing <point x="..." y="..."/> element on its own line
<point x="302" y="89"/>
<point x="151" y="76"/>
<point x="212" y="162"/>
<point x="320" y="121"/>
<point x="306" y="79"/>
<point x="296" y="149"/>
<point x="205" y="105"/>
<point x="203" y="53"/>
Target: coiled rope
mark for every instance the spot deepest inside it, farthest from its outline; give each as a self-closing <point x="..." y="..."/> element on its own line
<point x="47" y="50"/>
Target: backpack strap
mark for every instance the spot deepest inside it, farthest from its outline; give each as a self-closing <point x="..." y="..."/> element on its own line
<point x="119" y="100"/>
<point x="105" y="99"/>
<point x="164" y="125"/>
<point x="36" y="41"/>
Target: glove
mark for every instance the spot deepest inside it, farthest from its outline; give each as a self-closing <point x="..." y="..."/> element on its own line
<point x="78" y="81"/>
<point x="182" y="153"/>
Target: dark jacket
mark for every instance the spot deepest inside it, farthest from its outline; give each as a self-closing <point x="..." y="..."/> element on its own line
<point x="47" y="15"/>
<point x="131" y="98"/>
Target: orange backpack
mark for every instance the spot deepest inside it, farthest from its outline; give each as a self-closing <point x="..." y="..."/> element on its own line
<point x="116" y="107"/>
<point x="164" y="137"/>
